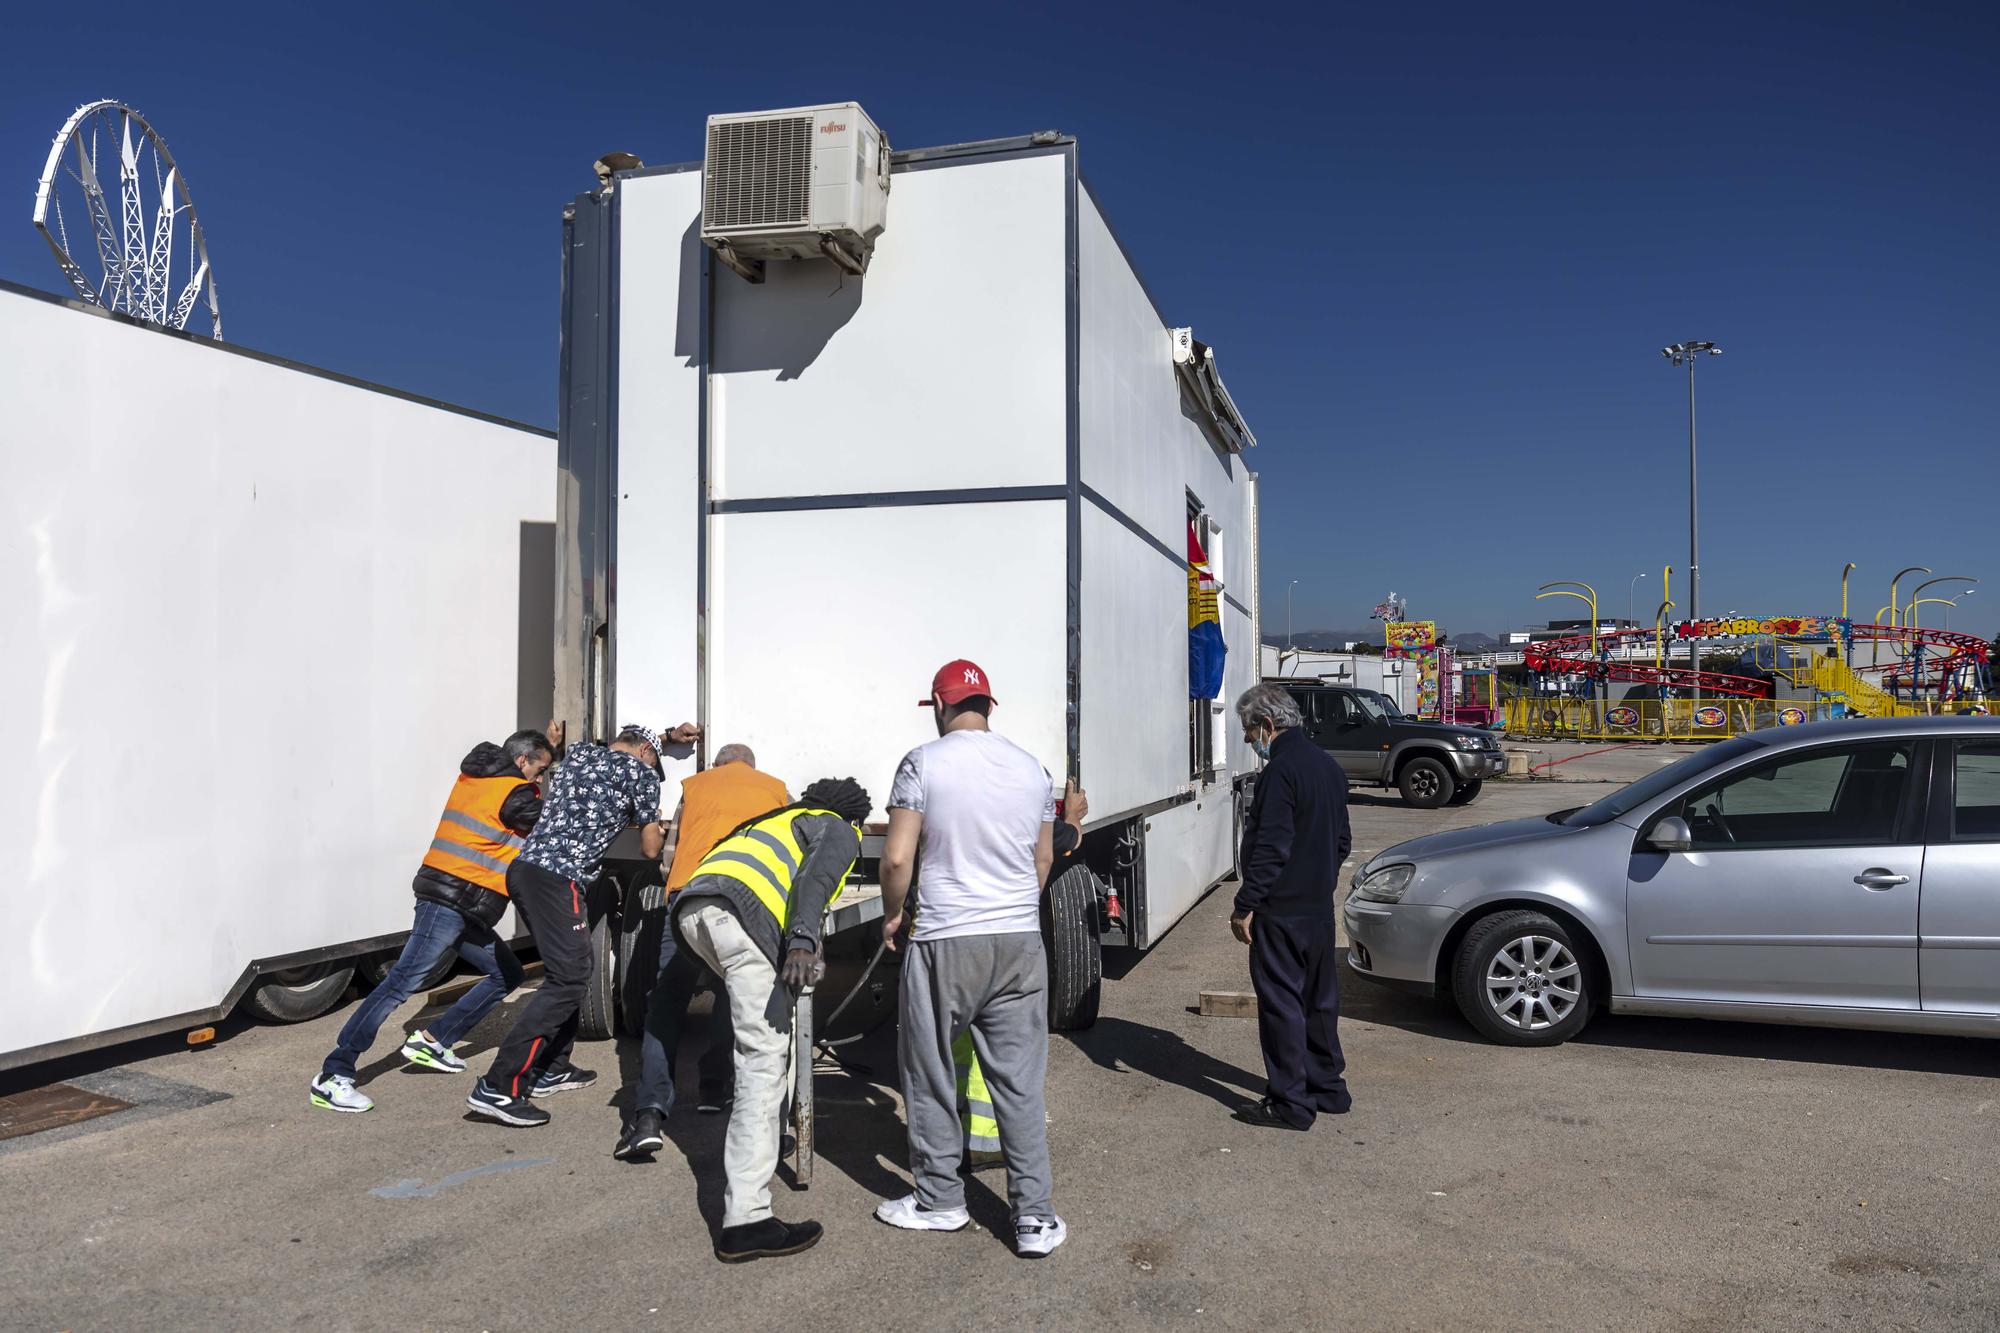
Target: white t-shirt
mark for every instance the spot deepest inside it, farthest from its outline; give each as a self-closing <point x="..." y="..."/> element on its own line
<point x="984" y="801"/>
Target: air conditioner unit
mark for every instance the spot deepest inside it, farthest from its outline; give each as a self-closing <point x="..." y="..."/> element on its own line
<point x="808" y="183"/>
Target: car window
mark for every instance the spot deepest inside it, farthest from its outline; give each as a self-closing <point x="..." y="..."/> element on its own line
<point x="1372" y="706"/>
<point x="1975" y="801"/>
<point x="1684" y="769"/>
<point x="1833" y="796"/>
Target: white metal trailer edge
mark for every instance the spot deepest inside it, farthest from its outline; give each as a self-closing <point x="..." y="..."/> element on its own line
<point x="784" y="504"/>
<point x="258" y="613"/>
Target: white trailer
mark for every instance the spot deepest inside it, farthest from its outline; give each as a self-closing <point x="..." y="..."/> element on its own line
<point x="787" y="501"/>
<point x="258" y="613"/>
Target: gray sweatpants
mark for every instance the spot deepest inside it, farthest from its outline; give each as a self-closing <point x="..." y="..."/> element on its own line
<point x="996" y="987"/>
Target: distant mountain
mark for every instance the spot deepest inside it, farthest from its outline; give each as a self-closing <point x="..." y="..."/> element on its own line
<point x="1336" y="640"/>
<point x="1326" y="640"/>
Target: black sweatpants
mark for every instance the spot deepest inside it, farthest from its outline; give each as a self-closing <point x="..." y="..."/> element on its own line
<point x="1295" y="970"/>
<point x="553" y="908"/>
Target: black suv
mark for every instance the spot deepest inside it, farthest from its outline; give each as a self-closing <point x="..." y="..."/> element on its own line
<point x="1431" y="763"/>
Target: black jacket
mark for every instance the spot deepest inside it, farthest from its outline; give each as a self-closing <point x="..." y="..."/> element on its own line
<point x="830" y="845"/>
<point x="518" y="812"/>
<point x="1296" y="834"/>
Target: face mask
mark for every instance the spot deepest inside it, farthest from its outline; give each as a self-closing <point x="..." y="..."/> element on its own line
<point x="1263" y="747"/>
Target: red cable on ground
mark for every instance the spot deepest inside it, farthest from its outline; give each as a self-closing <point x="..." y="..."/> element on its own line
<point x="1585" y="755"/>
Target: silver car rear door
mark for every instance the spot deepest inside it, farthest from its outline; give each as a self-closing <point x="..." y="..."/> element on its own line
<point x="1801" y="886"/>
<point x="1960" y="921"/>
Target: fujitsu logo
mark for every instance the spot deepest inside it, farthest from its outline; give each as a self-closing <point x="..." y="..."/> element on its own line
<point x="833" y="127"/>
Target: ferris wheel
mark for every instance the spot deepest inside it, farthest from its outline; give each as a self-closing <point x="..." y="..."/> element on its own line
<point x="144" y="257"/>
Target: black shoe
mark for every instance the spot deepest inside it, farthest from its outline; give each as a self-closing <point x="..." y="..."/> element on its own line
<point x="766" y="1239"/>
<point x="566" y="1079"/>
<point x="494" y="1104"/>
<point x="713" y="1103"/>
<point x="643" y="1139"/>
<point x="1266" y="1116"/>
<point x="1340" y="1105"/>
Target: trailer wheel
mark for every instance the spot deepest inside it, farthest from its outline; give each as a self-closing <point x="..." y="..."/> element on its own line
<point x="643" y="917"/>
<point x="299" y="993"/>
<point x="598" y="1019"/>
<point x="1075" y="948"/>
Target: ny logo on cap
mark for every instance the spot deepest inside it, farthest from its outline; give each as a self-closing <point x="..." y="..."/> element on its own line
<point x="971" y="676"/>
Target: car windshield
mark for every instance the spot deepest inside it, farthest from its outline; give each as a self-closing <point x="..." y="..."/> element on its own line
<point x="1645" y="789"/>
<point x="1378" y="706"/>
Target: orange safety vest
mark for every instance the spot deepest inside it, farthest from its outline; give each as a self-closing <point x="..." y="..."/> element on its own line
<point x="713" y="803"/>
<point x="471" y="842"/>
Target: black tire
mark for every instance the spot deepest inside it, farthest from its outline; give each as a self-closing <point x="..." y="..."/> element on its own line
<point x="374" y="969"/>
<point x="642" y="918"/>
<point x="1467" y="792"/>
<point x="598" y="1020"/>
<point x="1486" y="1010"/>
<point x="298" y="994"/>
<point x="1425" y="782"/>
<point x="1075" y="949"/>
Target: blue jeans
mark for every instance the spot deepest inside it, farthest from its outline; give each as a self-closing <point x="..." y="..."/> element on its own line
<point x="437" y="929"/>
<point x="681" y="975"/>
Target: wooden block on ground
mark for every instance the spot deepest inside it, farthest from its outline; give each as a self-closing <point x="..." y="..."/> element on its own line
<point x="450" y="991"/>
<point x="1228" y="1004"/>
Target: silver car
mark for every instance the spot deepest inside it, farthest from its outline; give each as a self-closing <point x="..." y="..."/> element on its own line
<point x="1841" y="873"/>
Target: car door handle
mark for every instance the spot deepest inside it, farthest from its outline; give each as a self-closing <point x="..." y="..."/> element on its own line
<point x="1879" y="879"/>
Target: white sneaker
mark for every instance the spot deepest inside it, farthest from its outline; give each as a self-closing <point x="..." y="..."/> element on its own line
<point x="421" y="1050"/>
<point x="1035" y="1237"/>
<point x="910" y="1215"/>
<point x="338" y="1093"/>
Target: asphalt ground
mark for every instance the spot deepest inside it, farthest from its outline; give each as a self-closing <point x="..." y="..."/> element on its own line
<point x="1652" y="1174"/>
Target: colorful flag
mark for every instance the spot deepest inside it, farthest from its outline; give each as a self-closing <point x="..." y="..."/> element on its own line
<point x="1206" y="649"/>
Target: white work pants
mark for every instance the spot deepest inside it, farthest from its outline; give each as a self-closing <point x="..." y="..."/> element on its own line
<point x="763" y="1060"/>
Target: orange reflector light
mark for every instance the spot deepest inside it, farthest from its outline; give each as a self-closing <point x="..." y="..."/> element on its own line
<point x="201" y="1036"/>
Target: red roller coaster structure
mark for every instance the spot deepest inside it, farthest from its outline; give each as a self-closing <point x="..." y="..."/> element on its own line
<point x="1573" y="655"/>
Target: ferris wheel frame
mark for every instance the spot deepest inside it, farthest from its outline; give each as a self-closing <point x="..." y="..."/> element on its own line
<point x="137" y="259"/>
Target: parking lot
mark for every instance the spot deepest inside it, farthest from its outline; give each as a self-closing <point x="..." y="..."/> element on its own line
<point x="1653" y="1174"/>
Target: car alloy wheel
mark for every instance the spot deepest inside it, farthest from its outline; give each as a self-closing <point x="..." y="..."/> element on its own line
<point x="1533" y="983"/>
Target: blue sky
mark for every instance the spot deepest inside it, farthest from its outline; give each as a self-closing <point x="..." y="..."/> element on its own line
<point x="1437" y="250"/>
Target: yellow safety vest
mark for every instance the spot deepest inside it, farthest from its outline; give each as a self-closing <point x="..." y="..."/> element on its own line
<point x="765" y="858"/>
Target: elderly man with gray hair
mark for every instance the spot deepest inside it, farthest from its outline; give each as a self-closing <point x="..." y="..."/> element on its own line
<point x="1294" y="839"/>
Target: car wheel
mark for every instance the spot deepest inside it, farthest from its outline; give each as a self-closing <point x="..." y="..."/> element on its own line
<point x="1425" y="783"/>
<point x="299" y="993"/>
<point x="1467" y="792"/>
<point x="1520" y="979"/>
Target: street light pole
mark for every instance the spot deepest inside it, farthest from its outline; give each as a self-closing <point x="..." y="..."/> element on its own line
<point x="1629" y="589"/>
<point x="1843" y="588"/>
<point x="1288" y="613"/>
<point x="1684" y="354"/>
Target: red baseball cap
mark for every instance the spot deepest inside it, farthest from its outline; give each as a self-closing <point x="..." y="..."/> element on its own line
<point x="955" y="682"/>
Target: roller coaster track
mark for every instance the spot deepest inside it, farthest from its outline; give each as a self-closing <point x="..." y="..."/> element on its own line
<point x="1572" y="656"/>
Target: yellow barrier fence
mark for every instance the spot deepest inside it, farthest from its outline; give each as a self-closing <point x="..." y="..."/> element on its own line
<point x="1690" y="720"/>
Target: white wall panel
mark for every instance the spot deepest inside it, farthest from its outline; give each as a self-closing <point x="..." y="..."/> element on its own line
<point x="1143" y="454"/>
<point x="659" y="439"/>
<point x="943" y="368"/>
<point x="1187" y="850"/>
<point x="254" y="618"/>
<point x="826" y="626"/>
<point x="1135" y="654"/>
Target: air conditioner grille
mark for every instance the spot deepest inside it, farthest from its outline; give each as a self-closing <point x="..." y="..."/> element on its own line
<point x="759" y="173"/>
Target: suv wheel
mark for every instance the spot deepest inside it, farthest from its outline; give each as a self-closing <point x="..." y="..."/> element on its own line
<point x="1519" y="978"/>
<point x="1425" y="782"/>
<point x="1467" y="792"/>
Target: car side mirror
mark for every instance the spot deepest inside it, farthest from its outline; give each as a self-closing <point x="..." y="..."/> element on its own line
<point x="1671" y="834"/>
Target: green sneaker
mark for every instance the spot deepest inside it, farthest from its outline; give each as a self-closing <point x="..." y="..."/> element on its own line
<point x="338" y="1093"/>
<point x="421" y="1050"/>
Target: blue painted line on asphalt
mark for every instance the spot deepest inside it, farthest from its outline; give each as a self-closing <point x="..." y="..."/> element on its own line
<point x="416" y="1189"/>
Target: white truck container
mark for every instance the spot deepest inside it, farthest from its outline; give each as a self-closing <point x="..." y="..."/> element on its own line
<point x="786" y="502"/>
<point x="256" y="615"/>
